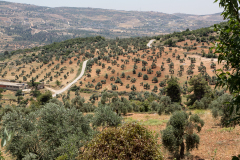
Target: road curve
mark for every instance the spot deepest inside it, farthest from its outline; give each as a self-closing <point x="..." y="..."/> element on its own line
<point x="55" y="92"/>
<point x="150" y="42"/>
<point x="70" y="84"/>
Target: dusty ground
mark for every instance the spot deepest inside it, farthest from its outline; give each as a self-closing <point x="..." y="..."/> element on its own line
<point x="41" y="72"/>
<point x="127" y="70"/>
<point x="129" y="67"/>
<point x="215" y="142"/>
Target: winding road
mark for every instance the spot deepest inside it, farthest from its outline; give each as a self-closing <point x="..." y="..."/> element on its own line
<point x="55" y="92"/>
<point x="150" y="42"/>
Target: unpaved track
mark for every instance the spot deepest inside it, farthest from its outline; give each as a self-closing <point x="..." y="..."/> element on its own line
<point x="150" y="42"/>
<point x="55" y="92"/>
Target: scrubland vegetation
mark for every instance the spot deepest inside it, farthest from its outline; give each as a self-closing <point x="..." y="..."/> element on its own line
<point x="172" y="100"/>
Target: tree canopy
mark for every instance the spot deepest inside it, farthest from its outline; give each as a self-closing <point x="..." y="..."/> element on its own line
<point x="173" y="89"/>
<point x="228" y="48"/>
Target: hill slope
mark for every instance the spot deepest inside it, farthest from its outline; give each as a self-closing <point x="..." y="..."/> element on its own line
<point x="117" y="64"/>
<point x="24" y="26"/>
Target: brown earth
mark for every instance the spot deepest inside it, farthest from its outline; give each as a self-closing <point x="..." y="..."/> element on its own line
<point x="129" y="67"/>
<point x="215" y="142"/>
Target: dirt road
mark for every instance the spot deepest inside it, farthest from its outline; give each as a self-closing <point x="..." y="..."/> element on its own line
<point x="150" y="42"/>
<point x="55" y="92"/>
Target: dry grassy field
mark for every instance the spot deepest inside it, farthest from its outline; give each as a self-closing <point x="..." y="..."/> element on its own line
<point x="215" y="142"/>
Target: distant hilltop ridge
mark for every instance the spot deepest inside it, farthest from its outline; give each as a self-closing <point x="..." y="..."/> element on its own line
<point x="26" y="26"/>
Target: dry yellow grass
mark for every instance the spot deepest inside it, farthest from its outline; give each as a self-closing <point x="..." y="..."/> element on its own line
<point x="223" y="142"/>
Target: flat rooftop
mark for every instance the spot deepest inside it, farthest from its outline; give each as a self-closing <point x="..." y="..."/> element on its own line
<point x="11" y="84"/>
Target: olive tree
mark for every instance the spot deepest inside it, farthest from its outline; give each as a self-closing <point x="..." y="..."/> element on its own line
<point x="173" y="90"/>
<point x="145" y="77"/>
<point x="200" y="88"/>
<point x="47" y="133"/>
<point x="179" y="135"/>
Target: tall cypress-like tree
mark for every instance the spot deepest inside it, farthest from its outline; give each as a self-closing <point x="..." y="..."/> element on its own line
<point x="173" y="90"/>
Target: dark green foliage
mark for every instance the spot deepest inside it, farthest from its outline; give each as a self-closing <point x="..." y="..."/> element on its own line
<point x="133" y="80"/>
<point x="75" y="88"/>
<point x="170" y="43"/>
<point x="114" y="87"/>
<point x="139" y="74"/>
<point x="155" y="80"/>
<point x="113" y="71"/>
<point x="118" y="80"/>
<point x="155" y="89"/>
<point x="228" y="49"/>
<point x="145" y="77"/>
<point x="106" y="76"/>
<point x="134" y="71"/>
<point x="149" y="71"/>
<point x="35" y="93"/>
<point x="128" y="77"/>
<point x="173" y="90"/>
<point x="133" y="88"/>
<point x="202" y="104"/>
<point x="44" y="98"/>
<point x="98" y="71"/>
<point x="179" y="133"/>
<point x="99" y="85"/>
<point x="123" y="75"/>
<point x="19" y="93"/>
<point x="146" y="86"/>
<point x="199" y="87"/>
<point x="162" y="83"/>
<point x="158" y="73"/>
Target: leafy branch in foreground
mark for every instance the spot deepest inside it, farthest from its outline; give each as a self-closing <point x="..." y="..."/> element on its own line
<point x="228" y="47"/>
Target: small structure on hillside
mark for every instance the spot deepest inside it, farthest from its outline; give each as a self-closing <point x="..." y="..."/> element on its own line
<point x="13" y="86"/>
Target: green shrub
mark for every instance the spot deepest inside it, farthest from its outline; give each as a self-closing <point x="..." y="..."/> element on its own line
<point x="55" y="130"/>
<point x="166" y="106"/>
<point x="198" y="105"/>
<point x="179" y="134"/>
<point x="104" y="116"/>
<point x="220" y="108"/>
<point x="130" y="141"/>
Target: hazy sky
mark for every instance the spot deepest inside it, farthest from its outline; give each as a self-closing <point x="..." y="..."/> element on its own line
<point x="199" y="7"/>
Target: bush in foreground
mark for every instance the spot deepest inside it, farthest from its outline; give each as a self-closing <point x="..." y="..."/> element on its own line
<point x="130" y="141"/>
